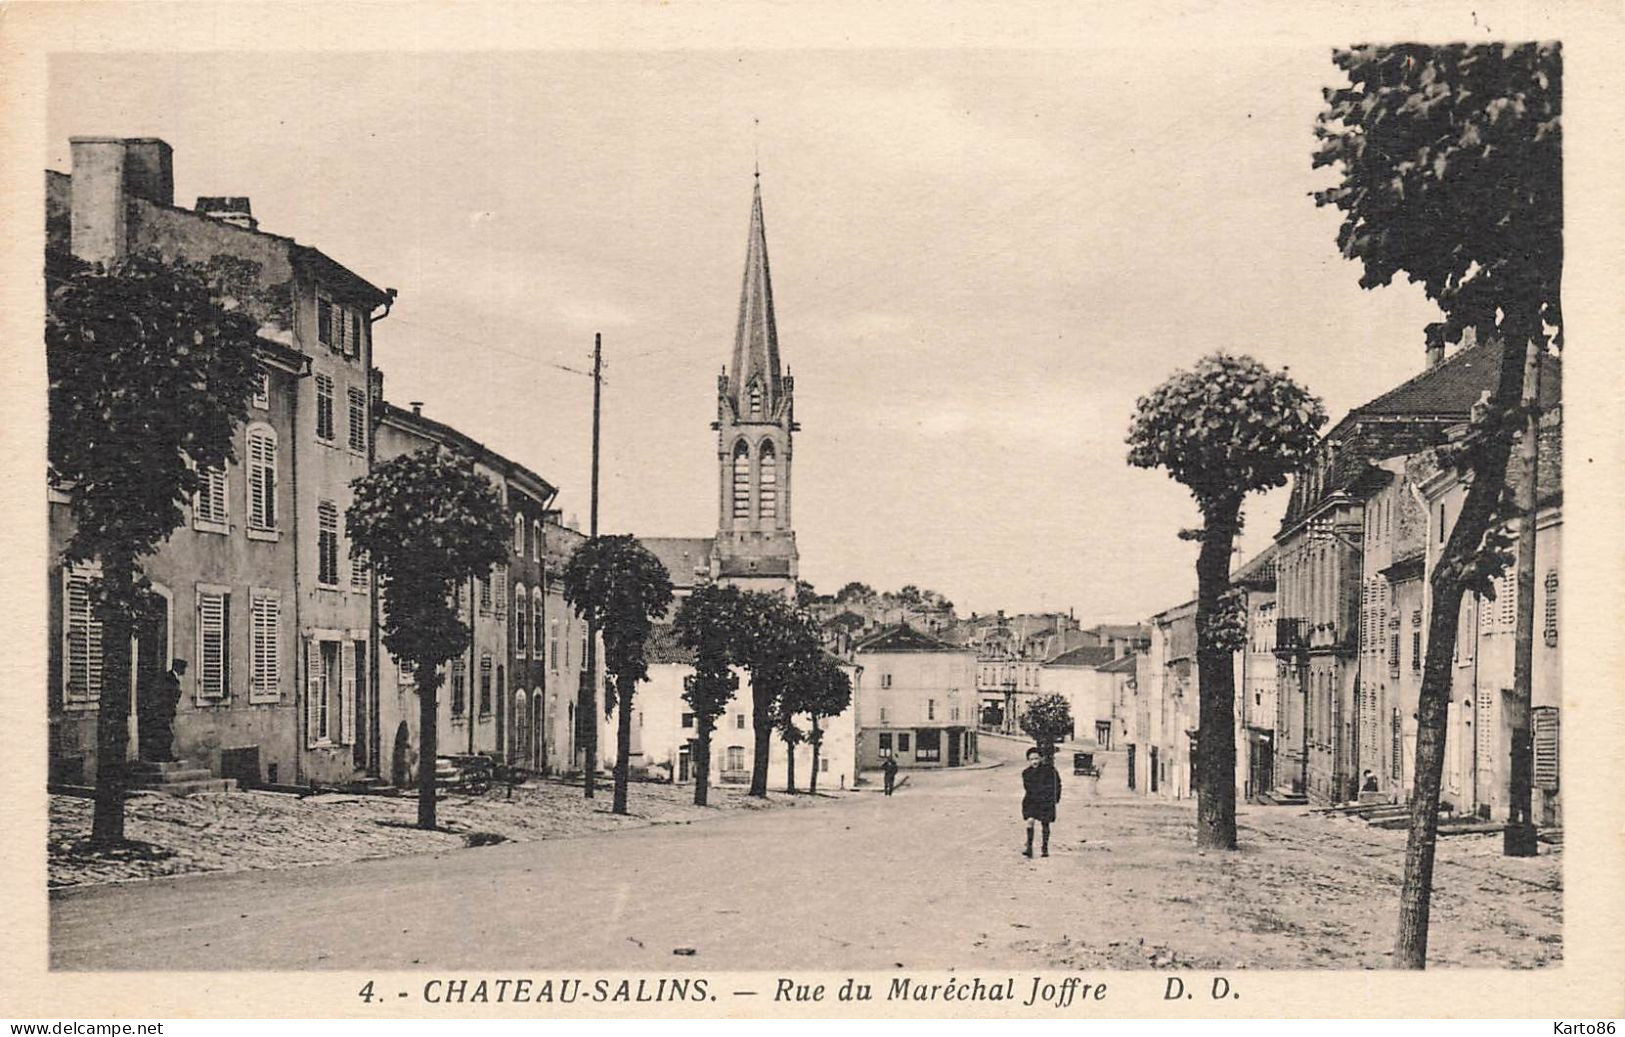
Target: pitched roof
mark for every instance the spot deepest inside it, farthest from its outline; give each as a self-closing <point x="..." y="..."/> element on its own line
<point x="686" y="558"/>
<point x="756" y="338"/>
<point x="1258" y="571"/>
<point x="662" y="647"/>
<point x="904" y="638"/>
<point x="1126" y="631"/>
<point x="1091" y="656"/>
<point x="1123" y="664"/>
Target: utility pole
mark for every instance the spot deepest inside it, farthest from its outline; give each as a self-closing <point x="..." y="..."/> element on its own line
<point x="587" y="710"/>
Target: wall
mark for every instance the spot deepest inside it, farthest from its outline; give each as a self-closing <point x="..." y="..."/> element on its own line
<point x="907" y="692"/>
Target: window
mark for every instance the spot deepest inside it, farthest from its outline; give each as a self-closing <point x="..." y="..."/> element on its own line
<point x="741" y="481"/>
<point x="406" y="672"/>
<point x="261" y="479"/>
<point x="358" y="572"/>
<point x="823" y="765"/>
<point x="882" y="714"/>
<point x="928" y="745"/>
<point x="485" y="593"/>
<point x="553" y="648"/>
<point x="213" y="646"/>
<point x="500" y="591"/>
<point x="265" y="646"/>
<point x="688" y="720"/>
<point x="327" y="544"/>
<point x="459" y="687"/>
<point x="358" y="419"/>
<point x="209" y="506"/>
<point x="519" y="535"/>
<point x="324" y="408"/>
<point x="1442" y="529"/>
<point x="885" y="680"/>
<point x="953" y="713"/>
<point x="536" y="621"/>
<point x="736" y="758"/>
<point x="770" y="483"/>
<point x="755" y="400"/>
<point x="1549" y="624"/>
<point x="1416" y="651"/>
<point x="930" y="709"/>
<point x="82" y="634"/>
<point x="324" y="321"/>
<point x="353" y="342"/>
<point x="885" y="743"/>
<point x="1506" y="604"/>
<point x="327" y="664"/>
<point x="536" y="540"/>
<point x="902" y="741"/>
<point x="739" y="722"/>
<point x="521" y="620"/>
<point x="502" y="692"/>
<point x="262" y="389"/>
<point x="485" y="684"/>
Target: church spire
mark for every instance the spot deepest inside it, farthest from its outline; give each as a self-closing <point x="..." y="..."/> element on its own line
<point x="756" y="338"/>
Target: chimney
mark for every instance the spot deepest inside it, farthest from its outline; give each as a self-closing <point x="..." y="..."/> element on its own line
<point x="97" y="223"/>
<point x="417" y="407"/>
<point x="1435" y="354"/>
<point x="149" y="169"/>
<point x="228" y="209"/>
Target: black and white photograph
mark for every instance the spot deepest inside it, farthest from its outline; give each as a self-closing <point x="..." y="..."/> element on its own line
<point x="731" y="510"/>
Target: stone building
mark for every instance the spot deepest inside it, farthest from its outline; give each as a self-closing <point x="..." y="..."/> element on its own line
<point x="919" y="701"/>
<point x="1255" y="677"/>
<point x="1079" y="677"/>
<point x="255" y="589"/>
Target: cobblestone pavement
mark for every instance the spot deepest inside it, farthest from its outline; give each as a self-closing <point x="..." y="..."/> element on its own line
<point x="251" y="830"/>
<point x="929" y="878"/>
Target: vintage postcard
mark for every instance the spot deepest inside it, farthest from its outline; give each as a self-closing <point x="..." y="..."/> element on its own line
<point x="738" y="510"/>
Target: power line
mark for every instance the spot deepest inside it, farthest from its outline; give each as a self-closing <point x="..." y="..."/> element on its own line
<point x="479" y="344"/>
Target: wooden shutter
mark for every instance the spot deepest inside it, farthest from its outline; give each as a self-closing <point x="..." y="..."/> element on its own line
<point x="265" y="645"/>
<point x="313" y="692"/>
<point x="342" y="723"/>
<point x="502" y="589"/>
<point x="261" y="480"/>
<point x="82" y="632"/>
<point x="213" y="661"/>
<point x="1545" y="724"/>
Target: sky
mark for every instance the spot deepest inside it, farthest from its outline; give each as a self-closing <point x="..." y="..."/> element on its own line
<point x="980" y="259"/>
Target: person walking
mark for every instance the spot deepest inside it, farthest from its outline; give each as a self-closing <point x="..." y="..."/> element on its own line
<point x="1041" y="785"/>
<point x="889" y="769"/>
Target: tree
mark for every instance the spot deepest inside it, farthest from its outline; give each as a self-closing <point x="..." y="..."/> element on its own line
<point x="828" y="693"/>
<point x="777" y="637"/>
<point x="1047" y="720"/>
<point x="1450" y="165"/>
<point x="621" y="588"/>
<point x="427" y="523"/>
<point x="712" y="621"/>
<point x="151" y="366"/>
<point x="854" y="591"/>
<point x="1226" y="428"/>
<point x="791" y="734"/>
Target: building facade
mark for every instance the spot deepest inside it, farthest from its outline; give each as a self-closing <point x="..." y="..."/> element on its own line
<point x="255" y="590"/>
<point x="919" y="705"/>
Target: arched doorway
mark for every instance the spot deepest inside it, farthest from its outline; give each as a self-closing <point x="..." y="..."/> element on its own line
<point x="398" y="771"/>
<point x="519" y="729"/>
<point x="536" y="753"/>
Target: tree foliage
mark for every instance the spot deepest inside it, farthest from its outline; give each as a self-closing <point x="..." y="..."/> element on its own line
<point x="150" y="367"/>
<point x="1047" y="720"/>
<point x="714" y="622"/>
<point x="426" y="522"/>
<point x="618" y="585"/>
<point x="1450" y="172"/>
<point x="1226" y="428"/>
<point x="779" y="637"/>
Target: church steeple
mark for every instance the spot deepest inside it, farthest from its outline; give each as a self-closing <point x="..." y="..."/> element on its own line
<point x="754" y="384"/>
<point x="756" y="543"/>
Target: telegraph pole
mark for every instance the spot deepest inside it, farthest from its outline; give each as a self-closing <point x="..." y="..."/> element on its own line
<point x="587" y="709"/>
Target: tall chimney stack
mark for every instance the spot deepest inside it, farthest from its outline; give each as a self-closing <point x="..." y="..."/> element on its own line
<point x="97" y="223"/>
<point x="228" y="209"/>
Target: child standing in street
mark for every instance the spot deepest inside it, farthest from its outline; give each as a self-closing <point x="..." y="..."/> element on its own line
<point x="1041" y="783"/>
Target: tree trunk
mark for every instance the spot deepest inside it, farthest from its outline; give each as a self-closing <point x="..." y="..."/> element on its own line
<point x="113" y="707"/>
<point x="790" y="766"/>
<point x="1446" y="584"/>
<point x="587" y="713"/>
<point x="762" y="725"/>
<point x="817" y="741"/>
<point x="623" y="742"/>
<point x="428" y="742"/>
<point x="1518" y="839"/>
<point x="702" y="760"/>
<point x="1216" y="686"/>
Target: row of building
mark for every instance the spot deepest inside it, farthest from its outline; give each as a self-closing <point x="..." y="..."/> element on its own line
<point x="1338" y="609"/>
<point x="287" y="682"/>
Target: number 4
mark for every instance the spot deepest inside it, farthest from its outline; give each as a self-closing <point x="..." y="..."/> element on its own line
<point x="366" y="993"/>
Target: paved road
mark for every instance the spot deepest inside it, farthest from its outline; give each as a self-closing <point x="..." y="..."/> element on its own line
<point x="930" y="878"/>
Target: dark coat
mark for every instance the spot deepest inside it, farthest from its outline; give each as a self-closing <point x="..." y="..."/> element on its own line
<point x="1043" y="790"/>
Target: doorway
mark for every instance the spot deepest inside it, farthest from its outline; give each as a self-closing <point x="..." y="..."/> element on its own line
<point x="685" y="762"/>
<point x="398" y="773"/>
<point x="152" y="661"/>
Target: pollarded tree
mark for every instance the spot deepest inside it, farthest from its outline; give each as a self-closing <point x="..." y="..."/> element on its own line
<point x="778" y="636"/>
<point x="621" y="588"/>
<point x="828" y="694"/>
<point x="1047" y="720"/>
<point x="712" y="622"/>
<point x="1226" y="428"/>
<point x="151" y="368"/>
<point x="427" y="523"/>
<point x="1451" y="173"/>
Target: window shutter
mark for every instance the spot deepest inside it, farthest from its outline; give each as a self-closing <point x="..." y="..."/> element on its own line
<point x="358" y="418"/>
<point x="82" y="660"/>
<point x="212" y="644"/>
<point x="501" y="574"/>
<point x="313" y="692"/>
<point x="341" y="729"/>
<point x="261" y="480"/>
<point x="1546" y="747"/>
<point x="265" y="643"/>
<point x="1549" y="626"/>
<point x="262" y="389"/>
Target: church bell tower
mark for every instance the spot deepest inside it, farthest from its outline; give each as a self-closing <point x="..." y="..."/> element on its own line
<point x="756" y="543"/>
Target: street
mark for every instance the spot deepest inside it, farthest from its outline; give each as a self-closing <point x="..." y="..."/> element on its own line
<point x="930" y="878"/>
